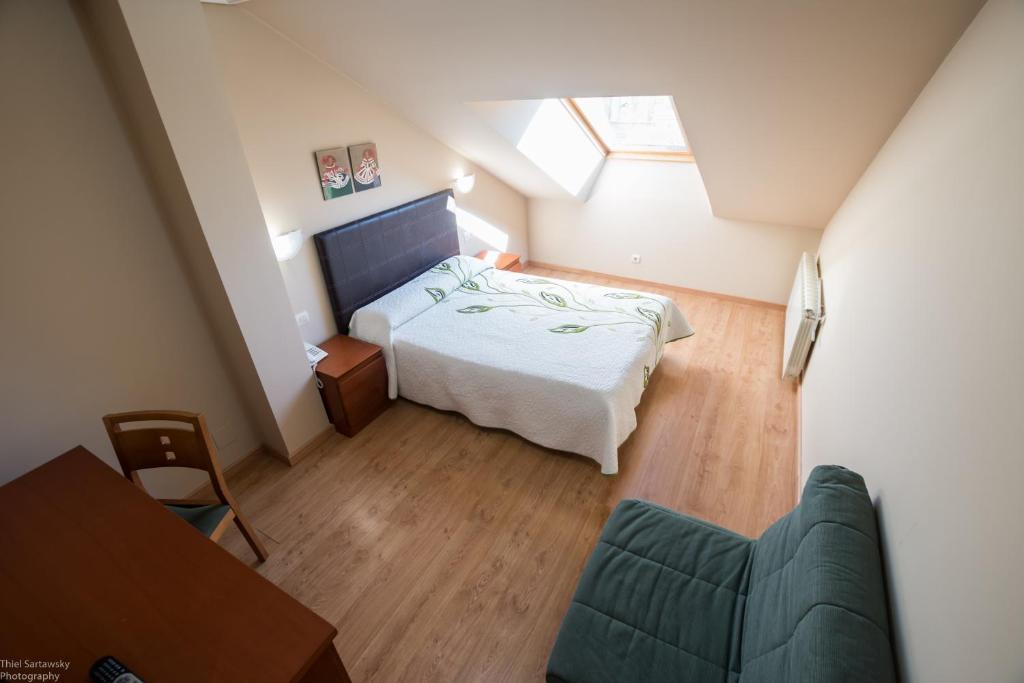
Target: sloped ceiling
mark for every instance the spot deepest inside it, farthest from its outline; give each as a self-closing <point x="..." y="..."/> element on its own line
<point x="785" y="102"/>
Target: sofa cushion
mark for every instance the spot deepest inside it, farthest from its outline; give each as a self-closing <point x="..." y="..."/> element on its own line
<point x="816" y="607"/>
<point x="661" y="598"/>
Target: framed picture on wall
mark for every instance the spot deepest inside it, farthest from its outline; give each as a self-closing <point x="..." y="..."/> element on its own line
<point x="365" y="166"/>
<point x="335" y="172"/>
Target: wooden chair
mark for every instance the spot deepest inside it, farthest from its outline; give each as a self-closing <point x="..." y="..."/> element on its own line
<point x="153" y="447"/>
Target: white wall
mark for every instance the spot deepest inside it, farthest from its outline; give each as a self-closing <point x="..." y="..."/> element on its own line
<point x="96" y="312"/>
<point x="287" y="105"/>
<point x="172" y="45"/>
<point x="917" y="379"/>
<point x="661" y="211"/>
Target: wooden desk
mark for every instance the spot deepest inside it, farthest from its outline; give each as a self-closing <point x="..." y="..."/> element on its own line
<point x="92" y="566"/>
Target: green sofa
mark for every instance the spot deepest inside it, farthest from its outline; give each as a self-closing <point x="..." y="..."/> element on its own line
<point x="666" y="597"/>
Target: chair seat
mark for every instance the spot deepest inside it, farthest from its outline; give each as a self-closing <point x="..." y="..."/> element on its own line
<point x="205" y="518"/>
<point x="661" y="599"/>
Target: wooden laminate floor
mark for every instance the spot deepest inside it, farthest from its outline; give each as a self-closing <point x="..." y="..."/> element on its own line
<point x="447" y="552"/>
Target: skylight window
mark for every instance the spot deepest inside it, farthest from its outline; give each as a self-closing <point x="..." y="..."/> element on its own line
<point x="560" y="146"/>
<point x="637" y="126"/>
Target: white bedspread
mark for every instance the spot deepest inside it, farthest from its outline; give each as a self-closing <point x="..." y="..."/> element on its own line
<point x="563" y="364"/>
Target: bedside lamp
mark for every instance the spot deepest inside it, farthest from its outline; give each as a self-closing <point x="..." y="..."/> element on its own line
<point x="286" y="246"/>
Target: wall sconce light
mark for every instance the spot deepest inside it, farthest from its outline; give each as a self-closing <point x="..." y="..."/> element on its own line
<point x="286" y="246"/>
<point x="464" y="184"/>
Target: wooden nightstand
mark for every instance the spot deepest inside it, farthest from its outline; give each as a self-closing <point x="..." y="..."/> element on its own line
<point x="355" y="383"/>
<point x="502" y="260"/>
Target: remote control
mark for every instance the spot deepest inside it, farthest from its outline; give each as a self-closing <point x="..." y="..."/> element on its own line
<point x="109" y="670"/>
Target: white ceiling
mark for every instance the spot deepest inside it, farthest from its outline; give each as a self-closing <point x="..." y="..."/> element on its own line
<point x="784" y="102"/>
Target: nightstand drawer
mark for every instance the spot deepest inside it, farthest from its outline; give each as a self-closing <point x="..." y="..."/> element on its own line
<point x="364" y="395"/>
<point x="355" y="383"/>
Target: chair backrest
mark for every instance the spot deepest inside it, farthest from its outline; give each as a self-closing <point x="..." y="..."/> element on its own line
<point x="816" y="606"/>
<point x="152" y="447"/>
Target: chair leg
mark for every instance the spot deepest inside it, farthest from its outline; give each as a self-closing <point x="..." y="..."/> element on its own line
<point x="223" y="526"/>
<point x="250" y="536"/>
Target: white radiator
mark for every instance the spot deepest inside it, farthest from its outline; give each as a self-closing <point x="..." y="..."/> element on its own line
<point x="802" y="316"/>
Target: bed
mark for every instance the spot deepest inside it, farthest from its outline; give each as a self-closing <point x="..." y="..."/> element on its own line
<point x="563" y="364"/>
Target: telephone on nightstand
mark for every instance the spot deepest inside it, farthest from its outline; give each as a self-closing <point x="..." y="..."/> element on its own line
<point x="314" y="354"/>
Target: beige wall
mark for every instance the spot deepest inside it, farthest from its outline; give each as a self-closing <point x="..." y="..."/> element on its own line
<point x="96" y="312"/>
<point x="172" y="46"/>
<point x="287" y="104"/>
<point x="661" y="211"/>
<point x="917" y="379"/>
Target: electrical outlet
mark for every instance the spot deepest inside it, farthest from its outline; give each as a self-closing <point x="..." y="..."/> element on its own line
<point x="635" y="258"/>
<point x="302" y="318"/>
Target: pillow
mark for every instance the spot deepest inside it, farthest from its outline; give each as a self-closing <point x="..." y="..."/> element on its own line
<point x="376" y="321"/>
<point x="460" y="268"/>
<point x="401" y="305"/>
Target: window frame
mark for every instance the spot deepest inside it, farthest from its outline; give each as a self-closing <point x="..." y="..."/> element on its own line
<point x="641" y="155"/>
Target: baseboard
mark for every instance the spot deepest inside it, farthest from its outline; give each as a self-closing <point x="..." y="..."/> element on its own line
<point x="307" y="448"/>
<point x="663" y="285"/>
<point x="204" y="490"/>
<point x="301" y="453"/>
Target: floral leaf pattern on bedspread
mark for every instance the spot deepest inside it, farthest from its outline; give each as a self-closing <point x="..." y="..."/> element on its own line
<point x="553" y="299"/>
<point x="653" y="316"/>
<point x="593" y="307"/>
<point x="569" y="328"/>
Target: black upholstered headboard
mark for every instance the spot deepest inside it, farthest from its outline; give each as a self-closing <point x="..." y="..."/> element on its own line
<point x="365" y="259"/>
